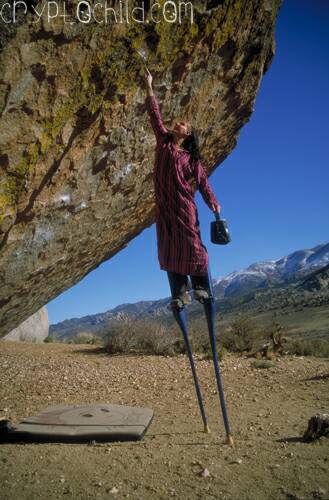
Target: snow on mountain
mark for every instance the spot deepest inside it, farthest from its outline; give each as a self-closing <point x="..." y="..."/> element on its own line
<point x="261" y="274"/>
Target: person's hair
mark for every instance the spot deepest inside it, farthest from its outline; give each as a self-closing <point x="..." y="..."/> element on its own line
<point x="191" y="144"/>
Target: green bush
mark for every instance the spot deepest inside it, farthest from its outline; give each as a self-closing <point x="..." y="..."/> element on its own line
<point x="49" y="339"/>
<point x="151" y="336"/>
<point x="198" y="335"/>
<point x="262" y="363"/>
<point x="221" y="351"/>
<point x="318" y="348"/>
<point x="241" y="335"/>
<point x="120" y="338"/>
<point x="141" y="336"/>
<point x="84" y="338"/>
<point x="179" y="346"/>
<point x="154" y="338"/>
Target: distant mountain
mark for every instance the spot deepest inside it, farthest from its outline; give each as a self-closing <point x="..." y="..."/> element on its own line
<point x="263" y="285"/>
<point x="272" y="272"/>
<point x="318" y="280"/>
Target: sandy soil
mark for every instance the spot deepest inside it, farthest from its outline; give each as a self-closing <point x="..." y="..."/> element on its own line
<point x="268" y="409"/>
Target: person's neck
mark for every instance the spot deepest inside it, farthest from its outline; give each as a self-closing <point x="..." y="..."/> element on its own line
<point x="178" y="141"/>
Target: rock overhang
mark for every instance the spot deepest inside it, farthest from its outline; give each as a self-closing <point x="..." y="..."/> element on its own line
<point x="76" y="145"/>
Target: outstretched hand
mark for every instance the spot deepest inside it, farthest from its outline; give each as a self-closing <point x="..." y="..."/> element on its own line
<point x="215" y="208"/>
<point x="148" y="78"/>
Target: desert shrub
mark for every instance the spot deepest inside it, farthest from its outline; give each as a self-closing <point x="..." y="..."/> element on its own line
<point x="270" y="355"/>
<point x="152" y="337"/>
<point x="24" y="337"/>
<point x="226" y="339"/>
<point x="274" y="328"/>
<point x="84" y="338"/>
<point x="49" y="339"/>
<point x="142" y="336"/>
<point x="198" y="335"/>
<point x="241" y="335"/>
<point x="318" y="348"/>
<point x="200" y="340"/>
<point x="221" y="351"/>
<point x="120" y="337"/>
<point x="262" y="363"/>
<point x="179" y="346"/>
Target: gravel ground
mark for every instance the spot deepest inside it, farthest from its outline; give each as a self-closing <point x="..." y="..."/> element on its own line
<point x="268" y="409"/>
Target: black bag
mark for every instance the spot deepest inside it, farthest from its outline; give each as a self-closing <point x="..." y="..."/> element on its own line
<point x="219" y="232"/>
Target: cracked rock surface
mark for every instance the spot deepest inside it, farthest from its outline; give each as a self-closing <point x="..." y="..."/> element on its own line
<point x="76" y="146"/>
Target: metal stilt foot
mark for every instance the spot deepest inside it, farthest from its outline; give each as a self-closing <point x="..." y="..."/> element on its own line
<point x="230" y="441"/>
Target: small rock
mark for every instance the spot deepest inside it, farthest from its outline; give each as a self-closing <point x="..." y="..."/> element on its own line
<point x="114" y="491"/>
<point x="205" y="473"/>
<point x="237" y="461"/>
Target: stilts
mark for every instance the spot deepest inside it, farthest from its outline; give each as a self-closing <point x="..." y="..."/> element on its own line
<point x="210" y="311"/>
<point x="181" y="318"/>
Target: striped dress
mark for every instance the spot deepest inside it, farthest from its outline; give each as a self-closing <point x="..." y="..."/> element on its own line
<point x="180" y="248"/>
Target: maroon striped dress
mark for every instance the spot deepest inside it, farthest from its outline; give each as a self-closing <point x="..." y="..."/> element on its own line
<point x="180" y="248"/>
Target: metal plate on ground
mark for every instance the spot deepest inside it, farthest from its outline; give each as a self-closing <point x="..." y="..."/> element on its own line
<point x="87" y="422"/>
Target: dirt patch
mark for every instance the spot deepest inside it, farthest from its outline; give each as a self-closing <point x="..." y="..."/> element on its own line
<point x="268" y="410"/>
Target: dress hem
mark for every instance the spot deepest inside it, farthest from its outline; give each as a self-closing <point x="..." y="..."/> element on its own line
<point x="190" y="272"/>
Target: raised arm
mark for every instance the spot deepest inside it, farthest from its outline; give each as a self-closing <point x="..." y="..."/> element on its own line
<point x="205" y="188"/>
<point x="154" y="110"/>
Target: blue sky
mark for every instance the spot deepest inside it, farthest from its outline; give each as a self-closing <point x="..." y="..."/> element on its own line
<point x="273" y="188"/>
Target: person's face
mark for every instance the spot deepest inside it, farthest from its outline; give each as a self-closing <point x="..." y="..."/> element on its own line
<point x="182" y="128"/>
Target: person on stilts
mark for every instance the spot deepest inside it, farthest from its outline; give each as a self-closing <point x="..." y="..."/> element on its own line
<point x="181" y="252"/>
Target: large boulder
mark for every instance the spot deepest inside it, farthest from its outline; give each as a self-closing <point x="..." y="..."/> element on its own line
<point x="76" y="144"/>
<point x="33" y="329"/>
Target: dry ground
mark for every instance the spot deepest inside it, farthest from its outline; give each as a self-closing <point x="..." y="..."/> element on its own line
<point x="268" y="409"/>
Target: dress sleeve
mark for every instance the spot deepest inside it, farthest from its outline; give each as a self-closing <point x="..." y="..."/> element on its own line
<point x="155" y="116"/>
<point x="204" y="186"/>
